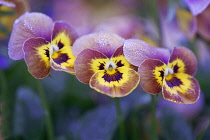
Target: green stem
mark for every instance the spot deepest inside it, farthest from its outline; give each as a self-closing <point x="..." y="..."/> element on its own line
<point x="6" y="107"/>
<point x="153" y="6"/>
<point x="120" y="119"/>
<point x="48" y="119"/>
<point x="153" y="108"/>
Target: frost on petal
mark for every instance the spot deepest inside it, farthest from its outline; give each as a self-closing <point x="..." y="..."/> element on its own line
<point x="103" y="42"/>
<point x="181" y="88"/>
<point x="197" y="6"/>
<point x="183" y="60"/>
<point x="136" y="51"/>
<point x="27" y="26"/>
<point x="36" y="52"/>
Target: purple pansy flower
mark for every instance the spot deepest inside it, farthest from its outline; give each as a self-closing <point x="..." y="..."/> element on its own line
<point x="101" y="64"/>
<point x="43" y="44"/>
<point x="161" y="71"/>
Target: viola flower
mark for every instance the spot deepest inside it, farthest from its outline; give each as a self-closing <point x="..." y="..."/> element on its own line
<point x="101" y="64"/>
<point x="161" y="71"/>
<point x="43" y="44"/>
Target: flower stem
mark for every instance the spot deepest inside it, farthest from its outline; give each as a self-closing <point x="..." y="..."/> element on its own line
<point x="153" y="109"/>
<point x="48" y="119"/>
<point x="120" y="119"/>
<point x="6" y="106"/>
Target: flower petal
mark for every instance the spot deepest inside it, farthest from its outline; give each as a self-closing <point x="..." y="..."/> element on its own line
<point x="27" y="26"/>
<point x="183" y="60"/>
<point x="103" y="42"/>
<point x="63" y="38"/>
<point x="181" y="88"/>
<point x="119" y="84"/>
<point x="187" y="22"/>
<point x="203" y="21"/>
<point x="119" y="58"/>
<point x="136" y="51"/>
<point x="36" y="52"/>
<point x="89" y="62"/>
<point x="152" y="73"/>
<point x="197" y="6"/>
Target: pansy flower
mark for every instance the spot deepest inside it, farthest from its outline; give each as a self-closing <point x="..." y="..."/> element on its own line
<point x="101" y="64"/>
<point x="161" y="71"/>
<point x="43" y="44"/>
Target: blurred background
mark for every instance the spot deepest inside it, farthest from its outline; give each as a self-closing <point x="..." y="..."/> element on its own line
<point x="74" y="110"/>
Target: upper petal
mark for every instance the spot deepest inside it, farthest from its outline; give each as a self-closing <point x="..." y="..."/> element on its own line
<point x="119" y="84"/>
<point x="27" y="26"/>
<point x="152" y="73"/>
<point x="119" y="59"/>
<point x="136" y="51"/>
<point x="103" y="42"/>
<point x="197" y="6"/>
<point x="182" y="60"/>
<point x="36" y="53"/>
<point x="89" y="62"/>
<point x="181" y="88"/>
<point x="63" y="38"/>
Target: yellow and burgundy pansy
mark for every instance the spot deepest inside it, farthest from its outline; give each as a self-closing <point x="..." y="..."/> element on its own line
<point x="101" y="63"/>
<point x="43" y="44"/>
<point x="173" y="75"/>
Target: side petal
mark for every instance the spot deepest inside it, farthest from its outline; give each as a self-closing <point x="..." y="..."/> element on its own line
<point x="120" y="84"/>
<point x="63" y="38"/>
<point x="36" y="53"/>
<point x="103" y="42"/>
<point x="89" y="62"/>
<point x="181" y="88"/>
<point x="152" y="74"/>
<point x="183" y="60"/>
<point x="27" y="26"/>
<point x="136" y="51"/>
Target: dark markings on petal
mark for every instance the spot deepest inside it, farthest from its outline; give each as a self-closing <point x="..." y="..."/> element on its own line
<point x="60" y="45"/>
<point x="176" y="67"/>
<point x="174" y="82"/>
<point x="119" y="63"/>
<point x="63" y="57"/>
<point x="101" y="66"/>
<point x="47" y="53"/>
<point x="161" y="74"/>
<point x="114" y="77"/>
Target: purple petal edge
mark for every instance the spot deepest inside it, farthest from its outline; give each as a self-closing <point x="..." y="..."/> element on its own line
<point x="136" y="51"/>
<point x="197" y="6"/>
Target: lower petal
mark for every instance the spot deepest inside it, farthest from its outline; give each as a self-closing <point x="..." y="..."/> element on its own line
<point x="63" y="60"/>
<point x="36" y="53"/>
<point x="120" y="84"/>
<point x="181" y="88"/>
